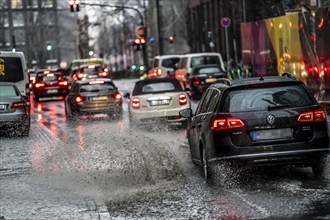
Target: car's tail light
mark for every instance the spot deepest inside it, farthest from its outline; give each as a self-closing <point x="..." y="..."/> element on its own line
<point x="226" y="123"/>
<point x="80" y="75"/>
<point x="159" y="71"/>
<point x="18" y="105"/>
<point x="103" y="74"/>
<point x="136" y="103"/>
<point x="79" y="99"/>
<point x="312" y="116"/>
<point x="39" y="85"/>
<point x="117" y="96"/>
<point x="63" y="83"/>
<point x="196" y="81"/>
<point x="183" y="99"/>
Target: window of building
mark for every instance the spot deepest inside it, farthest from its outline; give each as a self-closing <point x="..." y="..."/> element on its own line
<point x="4" y="21"/>
<point x="3" y="4"/>
<point x="19" y="36"/>
<point x="16" y="3"/>
<point x="32" y="3"/>
<point x="47" y="4"/>
<point x="4" y="38"/>
<point x="18" y="19"/>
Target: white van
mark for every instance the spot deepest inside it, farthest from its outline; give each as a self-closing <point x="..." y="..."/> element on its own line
<point x="13" y="69"/>
<point x="191" y="60"/>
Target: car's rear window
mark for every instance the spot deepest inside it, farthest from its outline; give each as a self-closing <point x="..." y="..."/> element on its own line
<point x="208" y="70"/>
<point x="157" y="87"/>
<point x="92" y="70"/>
<point x="260" y="99"/>
<point x="203" y="60"/>
<point x="11" y="69"/>
<point x="51" y="77"/>
<point x="170" y="62"/>
<point x="8" y="91"/>
<point x="97" y="88"/>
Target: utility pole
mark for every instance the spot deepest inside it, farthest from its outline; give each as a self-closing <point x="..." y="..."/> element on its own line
<point x="160" y="43"/>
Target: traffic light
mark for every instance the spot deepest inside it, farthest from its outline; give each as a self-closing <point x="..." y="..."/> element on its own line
<point x="74" y="3"/>
<point x="171" y="39"/>
<point x="139" y="43"/>
<point x="49" y="47"/>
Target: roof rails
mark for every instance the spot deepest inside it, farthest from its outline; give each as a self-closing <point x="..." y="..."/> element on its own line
<point x="289" y="75"/>
<point x="224" y="81"/>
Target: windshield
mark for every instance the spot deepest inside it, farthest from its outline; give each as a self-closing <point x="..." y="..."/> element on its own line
<point x="97" y="88"/>
<point x="262" y="99"/>
<point x="202" y="60"/>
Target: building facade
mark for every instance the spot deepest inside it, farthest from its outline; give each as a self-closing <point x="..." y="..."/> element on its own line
<point x="31" y="26"/>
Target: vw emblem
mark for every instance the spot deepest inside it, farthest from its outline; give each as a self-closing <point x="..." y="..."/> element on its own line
<point x="270" y="119"/>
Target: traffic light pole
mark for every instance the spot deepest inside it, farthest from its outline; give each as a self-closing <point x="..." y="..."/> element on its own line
<point x="145" y="55"/>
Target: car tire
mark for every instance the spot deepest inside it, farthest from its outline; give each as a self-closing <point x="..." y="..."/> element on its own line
<point x="207" y="169"/>
<point x="24" y="129"/>
<point x="319" y="168"/>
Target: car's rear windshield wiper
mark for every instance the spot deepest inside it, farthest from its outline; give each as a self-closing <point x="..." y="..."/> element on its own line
<point x="273" y="107"/>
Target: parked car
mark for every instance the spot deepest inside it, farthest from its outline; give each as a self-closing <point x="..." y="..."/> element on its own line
<point x="258" y="121"/>
<point x="163" y="66"/>
<point x="93" y="96"/>
<point x="14" y="110"/>
<point x="191" y="60"/>
<point x="50" y="83"/>
<point x="202" y="77"/>
<point x="158" y="100"/>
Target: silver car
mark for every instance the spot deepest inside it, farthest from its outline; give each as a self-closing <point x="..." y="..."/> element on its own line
<point x="14" y="110"/>
<point x="159" y="99"/>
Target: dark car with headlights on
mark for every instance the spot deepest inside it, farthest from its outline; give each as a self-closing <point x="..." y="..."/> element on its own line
<point x="50" y="83"/>
<point x="14" y="110"/>
<point x="202" y="77"/>
<point x="258" y="122"/>
<point x="93" y="96"/>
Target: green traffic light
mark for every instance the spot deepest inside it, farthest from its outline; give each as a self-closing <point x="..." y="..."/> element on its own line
<point x="141" y="68"/>
<point x="133" y="67"/>
<point x="49" y="47"/>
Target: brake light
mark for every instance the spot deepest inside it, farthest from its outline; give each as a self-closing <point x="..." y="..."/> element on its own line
<point x="159" y="71"/>
<point x="117" y="96"/>
<point x="183" y="99"/>
<point x="136" y="103"/>
<point x="63" y="83"/>
<point x="91" y="67"/>
<point x="38" y="85"/>
<point x="79" y="99"/>
<point x="18" y="105"/>
<point x="50" y="75"/>
<point x="226" y="123"/>
<point x="312" y="116"/>
<point x="80" y="75"/>
<point x="103" y="74"/>
<point x="196" y="81"/>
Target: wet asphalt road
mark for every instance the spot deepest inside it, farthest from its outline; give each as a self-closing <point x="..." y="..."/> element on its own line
<point x="103" y="168"/>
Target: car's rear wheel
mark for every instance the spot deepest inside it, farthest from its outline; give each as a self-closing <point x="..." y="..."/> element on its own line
<point x="318" y="168"/>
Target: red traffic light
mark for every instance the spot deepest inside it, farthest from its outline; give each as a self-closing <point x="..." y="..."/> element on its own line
<point x="137" y="41"/>
<point x="171" y="39"/>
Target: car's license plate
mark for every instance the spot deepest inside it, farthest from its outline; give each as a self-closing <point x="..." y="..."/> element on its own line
<point x="210" y="80"/>
<point x="99" y="98"/>
<point x="273" y="134"/>
<point x="2" y="107"/>
<point x="52" y="91"/>
<point x="160" y="102"/>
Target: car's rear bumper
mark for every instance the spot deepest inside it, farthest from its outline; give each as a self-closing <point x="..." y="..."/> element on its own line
<point x="97" y="108"/>
<point x="12" y="120"/>
<point x="146" y="116"/>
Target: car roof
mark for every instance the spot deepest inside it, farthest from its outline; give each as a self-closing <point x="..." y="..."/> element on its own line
<point x="254" y="80"/>
<point x="201" y="54"/>
<point x="168" y="56"/>
<point x="91" y="64"/>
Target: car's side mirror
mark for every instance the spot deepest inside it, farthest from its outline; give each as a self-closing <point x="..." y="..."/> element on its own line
<point x="127" y="95"/>
<point x="186" y="113"/>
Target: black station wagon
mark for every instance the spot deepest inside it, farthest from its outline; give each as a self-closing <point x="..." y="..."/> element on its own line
<point x="258" y="122"/>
